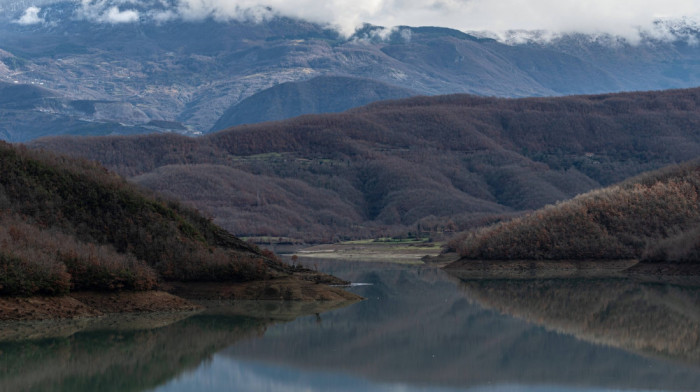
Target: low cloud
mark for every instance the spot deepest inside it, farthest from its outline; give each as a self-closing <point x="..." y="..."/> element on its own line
<point x="106" y="11"/>
<point x="30" y="17"/>
<point x="115" y="15"/>
<point x="630" y="19"/>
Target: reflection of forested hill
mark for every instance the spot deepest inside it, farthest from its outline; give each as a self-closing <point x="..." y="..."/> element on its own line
<point x="119" y="360"/>
<point x="650" y="318"/>
<point x="407" y="165"/>
<point x="416" y="327"/>
<point x="132" y="352"/>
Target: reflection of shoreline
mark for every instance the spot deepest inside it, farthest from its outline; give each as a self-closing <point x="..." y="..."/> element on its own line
<point x="112" y="354"/>
<point x="688" y="273"/>
<point x="416" y="328"/>
<point x="638" y="315"/>
<point x="65" y="328"/>
<point x="519" y="269"/>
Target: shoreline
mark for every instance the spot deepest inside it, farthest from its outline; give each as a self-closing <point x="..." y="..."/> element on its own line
<point x="267" y="311"/>
<point x="543" y="269"/>
<point x="173" y="297"/>
<point x="369" y="251"/>
<point x="537" y="269"/>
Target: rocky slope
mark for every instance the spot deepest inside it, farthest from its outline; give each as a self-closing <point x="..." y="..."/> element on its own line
<point x="192" y="71"/>
<point x="322" y="94"/>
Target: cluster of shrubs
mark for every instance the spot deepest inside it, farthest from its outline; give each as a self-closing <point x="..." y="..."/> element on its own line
<point x="646" y="217"/>
<point x="683" y="247"/>
<point x="36" y="261"/>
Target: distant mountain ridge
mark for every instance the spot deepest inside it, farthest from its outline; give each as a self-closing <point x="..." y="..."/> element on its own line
<point x="212" y="66"/>
<point x="421" y="165"/>
<point x="28" y="111"/>
<point x="322" y="94"/>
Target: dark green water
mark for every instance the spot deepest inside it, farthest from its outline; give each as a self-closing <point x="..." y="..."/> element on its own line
<point x="419" y="330"/>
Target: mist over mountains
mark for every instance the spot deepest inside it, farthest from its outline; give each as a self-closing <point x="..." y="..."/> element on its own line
<point x="188" y="72"/>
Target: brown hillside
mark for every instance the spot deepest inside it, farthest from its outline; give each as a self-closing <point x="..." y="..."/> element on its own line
<point x="638" y="217"/>
<point x="409" y="165"/>
<point x="71" y="225"/>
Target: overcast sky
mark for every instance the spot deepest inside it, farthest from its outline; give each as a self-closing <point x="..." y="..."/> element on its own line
<point x="619" y="17"/>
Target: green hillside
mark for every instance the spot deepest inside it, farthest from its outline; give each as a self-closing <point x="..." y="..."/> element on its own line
<point x="655" y="216"/>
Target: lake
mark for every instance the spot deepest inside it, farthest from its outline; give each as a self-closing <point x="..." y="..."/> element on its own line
<point x="420" y="329"/>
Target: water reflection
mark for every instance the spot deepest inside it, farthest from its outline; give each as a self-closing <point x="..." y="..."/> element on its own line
<point x="648" y="317"/>
<point x="419" y="330"/>
<point x="226" y="374"/>
<point x="130" y="353"/>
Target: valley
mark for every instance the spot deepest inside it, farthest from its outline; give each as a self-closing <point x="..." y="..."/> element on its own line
<point x="282" y="196"/>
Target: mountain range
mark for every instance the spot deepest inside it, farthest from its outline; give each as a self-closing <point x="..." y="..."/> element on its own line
<point x="185" y="75"/>
<point x="423" y="165"/>
<point x="322" y="94"/>
<point x="29" y="111"/>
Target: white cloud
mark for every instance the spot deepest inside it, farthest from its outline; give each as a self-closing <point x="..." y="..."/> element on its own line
<point x="115" y="15"/>
<point x="617" y="17"/>
<point x="30" y="16"/>
<point x="107" y="11"/>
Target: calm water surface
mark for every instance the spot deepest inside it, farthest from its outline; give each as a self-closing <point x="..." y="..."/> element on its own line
<point x="419" y="330"/>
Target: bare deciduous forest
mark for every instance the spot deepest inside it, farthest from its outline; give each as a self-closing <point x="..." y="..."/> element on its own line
<point x="70" y="224"/>
<point x="424" y="166"/>
<point x="653" y="217"/>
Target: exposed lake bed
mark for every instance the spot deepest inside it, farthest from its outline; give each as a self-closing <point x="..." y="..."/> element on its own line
<point x="404" y="252"/>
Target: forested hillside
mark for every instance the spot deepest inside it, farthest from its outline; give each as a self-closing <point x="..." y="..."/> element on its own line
<point x="420" y="165"/>
<point x="72" y="225"/>
<point x="655" y="216"/>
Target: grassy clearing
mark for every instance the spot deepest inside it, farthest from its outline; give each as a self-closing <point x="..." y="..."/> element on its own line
<point x="261" y="157"/>
<point x="371" y="251"/>
<point x="391" y="240"/>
